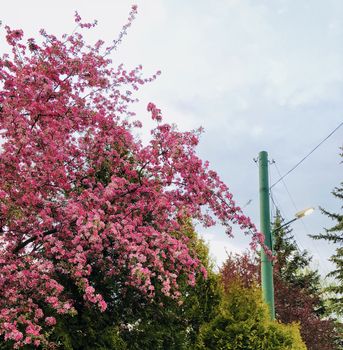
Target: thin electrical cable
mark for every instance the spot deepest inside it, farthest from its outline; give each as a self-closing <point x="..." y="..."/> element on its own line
<point x="299" y="246"/>
<point x="286" y="188"/>
<point x="289" y="194"/>
<point x="271" y="195"/>
<point x="276" y="203"/>
<point x="278" y="209"/>
<point x="296" y="165"/>
<point x="293" y="202"/>
<point x="305" y="227"/>
<point x="272" y="212"/>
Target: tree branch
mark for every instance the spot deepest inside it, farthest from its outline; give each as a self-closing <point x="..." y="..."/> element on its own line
<point x="32" y="239"/>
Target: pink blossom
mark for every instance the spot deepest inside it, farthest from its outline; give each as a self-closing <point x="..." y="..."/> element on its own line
<point x="15" y="335"/>
<point x="103" y="305"/>
<point x="50" y="321"/>
<point x="155" y="112"/>
<point x="28" y="340"/>
<point x="32" y="329"/>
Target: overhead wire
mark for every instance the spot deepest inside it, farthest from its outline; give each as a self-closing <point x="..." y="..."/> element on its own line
<point x="272" y="215"/>
<point x="307" y="155"/>
<point x="294" y="205"/>
<point x="281" y="178"/>
<point x="302" y="222"/>
<point x="276" y="205"/>
<point x="272" y="196"/>
<point x="286" y="188"/>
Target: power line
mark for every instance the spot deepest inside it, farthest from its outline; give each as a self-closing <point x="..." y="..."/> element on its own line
<point x="276" y="204"/>
<point x="294" y="205"/>
<point x="296" y="165"/>
<point x="286" y="188"/>
<point x="271" y="194"/>
<point x="302" y="222"/>
<point x="278" y="208"/>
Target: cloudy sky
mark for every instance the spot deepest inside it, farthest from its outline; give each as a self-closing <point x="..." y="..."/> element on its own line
<point x="256" y="74"/>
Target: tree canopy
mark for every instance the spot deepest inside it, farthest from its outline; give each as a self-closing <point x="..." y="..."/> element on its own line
<point x="81" y="197"/>
<point x="132" y="321"/>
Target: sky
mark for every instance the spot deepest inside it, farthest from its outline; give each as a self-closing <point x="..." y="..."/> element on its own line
<point x="255" y="74"/>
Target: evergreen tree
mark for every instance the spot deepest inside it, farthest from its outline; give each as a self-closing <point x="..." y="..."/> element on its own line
<point x="293" y="265"/>
<point x="299" y="296"/>
<point x="335" y="235"/>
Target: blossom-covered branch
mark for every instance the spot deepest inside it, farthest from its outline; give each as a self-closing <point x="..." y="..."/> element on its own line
<point x="79" y="193"/>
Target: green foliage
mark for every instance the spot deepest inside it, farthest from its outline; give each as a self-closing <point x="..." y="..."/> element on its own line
<point x="243" y="323"/>
<point x="87" y="331"/>
<point x="133" y="321"/>
<point x="335" y="235"/>
<point x="175" y="326"/>
<point x="299" y="295"/>
<point x="293" y="266"/>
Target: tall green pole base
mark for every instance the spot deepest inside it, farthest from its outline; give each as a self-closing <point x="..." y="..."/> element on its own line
<point x="266" y="265"/>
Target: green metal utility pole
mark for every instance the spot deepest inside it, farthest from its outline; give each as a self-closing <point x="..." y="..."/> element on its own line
<point x="266" y="264"/>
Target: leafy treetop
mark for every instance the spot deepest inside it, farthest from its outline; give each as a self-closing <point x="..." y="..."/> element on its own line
<point x="79" y="192"/>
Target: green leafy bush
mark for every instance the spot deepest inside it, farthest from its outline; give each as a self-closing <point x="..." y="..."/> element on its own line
<point x="243" y="323"/>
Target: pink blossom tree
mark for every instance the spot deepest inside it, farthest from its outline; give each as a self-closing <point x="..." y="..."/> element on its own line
<point x="78" y="191"/>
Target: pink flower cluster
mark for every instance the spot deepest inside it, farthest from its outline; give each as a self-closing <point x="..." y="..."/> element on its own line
<point x="155" y="112"/>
